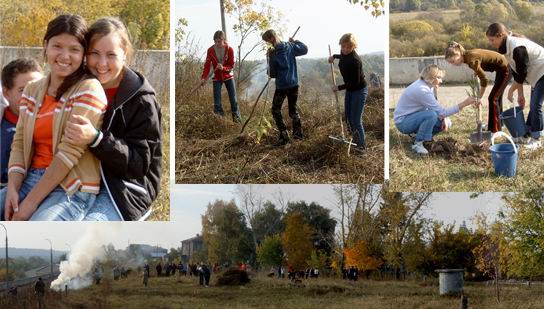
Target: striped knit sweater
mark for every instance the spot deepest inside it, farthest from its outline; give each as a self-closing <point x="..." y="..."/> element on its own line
<point x="87" y="99"/>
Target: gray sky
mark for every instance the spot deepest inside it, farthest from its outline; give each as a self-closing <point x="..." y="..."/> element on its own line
<point x="188" y="203"/>
<point x="322" y="23"/>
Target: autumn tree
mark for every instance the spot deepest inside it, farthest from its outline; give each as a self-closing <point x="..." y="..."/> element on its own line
<point x="225" y="234"/>
<point x="359" y="218"/>
<point x="267" y="222"/>
<point x="270" y="251"/>
<point x="398" y="212"/>
<point x="318" y="259"/>
<point x="251" y="202"/>
<point x="24" y="22"/>
<point x="148" y="22"/>
<point x="296" y="240"/>
<point x="492" y="256"/>
<point x="319" y="219"/>
<point x="252" y="17"/>
<point x="360" y="256"/>
<point x="376" y="7"/>
<point x="524" y="220"/>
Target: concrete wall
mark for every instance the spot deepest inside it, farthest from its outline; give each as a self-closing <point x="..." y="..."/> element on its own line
<point x="153" y="64"/>
<point x="403" y="71"/>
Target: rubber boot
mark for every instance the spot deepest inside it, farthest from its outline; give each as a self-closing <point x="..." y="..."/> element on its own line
<point x="297" y="129"/>
<point x="283" y="139"/>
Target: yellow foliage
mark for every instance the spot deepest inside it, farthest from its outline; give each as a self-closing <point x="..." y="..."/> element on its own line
<point x="358" y="256"/>
<point x="296" y="241"/>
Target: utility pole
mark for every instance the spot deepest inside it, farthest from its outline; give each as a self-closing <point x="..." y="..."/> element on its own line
<point x="51" y="251"/>
<point x="223" y="23"/>
<point x="7" y="279"/>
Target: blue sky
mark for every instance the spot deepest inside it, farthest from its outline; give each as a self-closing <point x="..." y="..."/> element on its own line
<point x="322" y="23"/>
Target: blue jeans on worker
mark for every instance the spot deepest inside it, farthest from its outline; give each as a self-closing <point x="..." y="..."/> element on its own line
<point x="103" y="209"/>
<point x="57" y="206"/>
<point x="534" y="118"/>
<point x="354" y="105"/>
<point x="424" y="123"/>
<point x="217" y="106"/>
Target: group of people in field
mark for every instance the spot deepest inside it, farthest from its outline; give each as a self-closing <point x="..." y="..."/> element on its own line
<point x="419" y="112"/>
<point x="201" y="270"/>
<point x="282" y="66"/>
<point x="81" y="141"/>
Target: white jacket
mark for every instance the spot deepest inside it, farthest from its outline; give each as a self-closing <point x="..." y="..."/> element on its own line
<point x="535" y="67"/>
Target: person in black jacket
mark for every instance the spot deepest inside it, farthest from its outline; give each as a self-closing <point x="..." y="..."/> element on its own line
<point x="129" y="144"/>
<point x="351" y="68"/>
<point x="39" y="290"/>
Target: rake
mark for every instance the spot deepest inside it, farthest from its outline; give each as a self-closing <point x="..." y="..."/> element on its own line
<point x="342" y="138"/>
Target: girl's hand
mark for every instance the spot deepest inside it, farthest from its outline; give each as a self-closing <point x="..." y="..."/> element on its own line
<point x="202" y="82"/>
<point x="521" y="101"/>
<point x="515" y="86"/>
<point x="25" y="211"/>
<point x="510" y="95"/>
<point x="331" y="59"/>
<point x="11" y="205"/>
<point x="334" y="88"/>
<point x="219" y="67"/>
<point x="80" y="131"/>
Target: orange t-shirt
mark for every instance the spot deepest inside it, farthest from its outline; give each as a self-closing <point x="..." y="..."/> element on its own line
<point x="43" y="134"/>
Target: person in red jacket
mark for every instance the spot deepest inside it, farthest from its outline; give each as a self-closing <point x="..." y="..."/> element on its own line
<point x="220" y="58"/>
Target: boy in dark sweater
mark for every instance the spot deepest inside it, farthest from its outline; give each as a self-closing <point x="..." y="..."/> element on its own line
<point x="15" y="76"/>
<point x="283" y="67"/>
<point x="351" y="67"/>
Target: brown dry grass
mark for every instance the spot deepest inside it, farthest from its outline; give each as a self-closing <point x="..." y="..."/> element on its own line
<point x="264" y="292"/>
<point x="209" y="148"/>
<point x="161" y="206"/>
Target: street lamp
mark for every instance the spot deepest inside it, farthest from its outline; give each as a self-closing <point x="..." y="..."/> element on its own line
<point x="7" y="279"/>
<point x="51" y="245"/>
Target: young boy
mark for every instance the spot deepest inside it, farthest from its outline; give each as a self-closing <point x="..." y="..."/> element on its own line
<point x="15" y="76"/>
<point x="283" y="67"/>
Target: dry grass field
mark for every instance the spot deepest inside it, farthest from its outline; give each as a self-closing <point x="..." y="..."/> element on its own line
<point x="265" y="292"/>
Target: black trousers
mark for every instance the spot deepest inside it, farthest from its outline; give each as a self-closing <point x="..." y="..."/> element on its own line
<point x="277" y="102"/>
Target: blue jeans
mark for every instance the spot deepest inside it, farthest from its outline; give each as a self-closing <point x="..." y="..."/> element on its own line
<point x="424" y="123"/>
<point x="57" y="206"/>
<point x="103" y="209"/>
<point x="354" y="105"/>
<point x="217" y="106"/>
<point x="534" y="118"/>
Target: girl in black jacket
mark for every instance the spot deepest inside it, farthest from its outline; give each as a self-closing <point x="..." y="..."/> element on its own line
<point x="351" y="67"/>
<point x="129" y="144"/>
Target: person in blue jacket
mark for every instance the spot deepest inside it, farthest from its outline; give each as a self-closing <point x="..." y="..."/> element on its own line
<point x="283" y="67"/>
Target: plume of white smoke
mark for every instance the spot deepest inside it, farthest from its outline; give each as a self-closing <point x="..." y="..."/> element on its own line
<point x="76" y="272"/>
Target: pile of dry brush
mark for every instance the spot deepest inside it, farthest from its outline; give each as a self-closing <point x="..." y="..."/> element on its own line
<point x="210" y="149"/>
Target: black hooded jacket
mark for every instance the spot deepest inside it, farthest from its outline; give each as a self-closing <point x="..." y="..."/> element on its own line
<point x="130" y="151"/>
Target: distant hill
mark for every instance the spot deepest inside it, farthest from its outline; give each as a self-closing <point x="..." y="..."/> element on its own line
<point x="315" y="75"/>
<point x="26" y="253"/>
